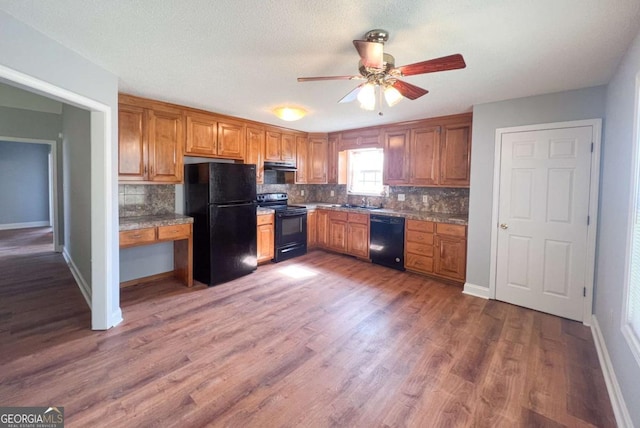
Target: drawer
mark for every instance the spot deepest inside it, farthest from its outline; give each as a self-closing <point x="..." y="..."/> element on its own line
<point x="420" y="237"/>
<point x="174" y="231"/>
<point x="358" y="218"/>
<point x="265" y="219"/>
<point x="420" y="226"/>
<point x="420" y="249"/>
<point x="338" y="215"/>
<point x="451" y="229"/>
<point x="421" y="263"/>
<point x="137" y="236"/>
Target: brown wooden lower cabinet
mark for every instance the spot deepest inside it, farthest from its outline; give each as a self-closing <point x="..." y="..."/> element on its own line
<point x="311" y="229"/>
<point x="437" y="249"/>
<point x="266" y="236"/>
<point x="343" y="232"/>
<point x="358" y="235"/>
<point x="180" y="234"/>
<point x="322" y="228"/>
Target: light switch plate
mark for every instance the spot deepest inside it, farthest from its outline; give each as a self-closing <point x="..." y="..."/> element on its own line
<point x="302" y="193"/>
<point x="425" y="198"/>
<point x="401" y="197"/>
<point x="333" y="193"/>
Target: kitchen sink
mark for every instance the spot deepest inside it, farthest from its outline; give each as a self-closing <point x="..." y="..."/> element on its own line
<point x="361" y="207"/>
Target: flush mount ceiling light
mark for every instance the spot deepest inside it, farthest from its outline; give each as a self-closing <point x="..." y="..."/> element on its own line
<point x="289" y="113"/>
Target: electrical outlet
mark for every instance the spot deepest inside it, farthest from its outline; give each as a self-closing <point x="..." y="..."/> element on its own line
<point x="401" y="197"/>
<point x="333" y="193"/>
<point x="302" y="193"/>
<point x="425" y="198"/>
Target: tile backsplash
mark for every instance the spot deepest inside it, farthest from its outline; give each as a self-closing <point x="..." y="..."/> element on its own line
<point x="153" y="199"/>
<point x="427" y="199"/>
<point x="146" y="199"/>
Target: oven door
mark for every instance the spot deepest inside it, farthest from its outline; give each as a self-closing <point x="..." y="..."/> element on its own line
<point x="291" y="235"/>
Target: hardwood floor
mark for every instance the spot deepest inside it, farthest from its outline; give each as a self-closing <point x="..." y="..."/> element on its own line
<point x="321" y="340"/>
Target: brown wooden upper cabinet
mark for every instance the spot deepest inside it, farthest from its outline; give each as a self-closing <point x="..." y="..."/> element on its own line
<point x="332" y="159"/>
<point x="255" y="150"/>
<point x="396" y="149"/>
<point x="211" y="136"/>
<point x="359" y="139"/>
<point x="280" y="146"/>
<point x="433" y="152"/>
<point x="302" y="158"/>
<point x="317" y="160"/>
<point x="150" y="142"/>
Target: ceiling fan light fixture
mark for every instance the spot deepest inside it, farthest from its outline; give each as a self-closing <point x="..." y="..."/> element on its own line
<point x="367" y="97"/>
<point x="392" y="96"/>
<point x="289" y="113"/>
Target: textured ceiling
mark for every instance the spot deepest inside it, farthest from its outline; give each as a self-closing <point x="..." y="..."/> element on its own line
<point x="242" y="57"/>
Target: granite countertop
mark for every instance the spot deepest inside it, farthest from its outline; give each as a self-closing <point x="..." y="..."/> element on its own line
<point x="144" y="221"/>
<point x="263" y="211"/>
<point x="409" y="214"/>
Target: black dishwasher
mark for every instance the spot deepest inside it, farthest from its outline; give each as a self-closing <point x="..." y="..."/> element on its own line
<point x="386" y="246"/>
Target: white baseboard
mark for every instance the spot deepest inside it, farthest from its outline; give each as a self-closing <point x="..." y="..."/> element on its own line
<point x="623" y="419"/>
<point x="475" y="290"/>
<point x="116" y="317"/>
<point x="27" y="225"/>
<point x="82" y="284"/>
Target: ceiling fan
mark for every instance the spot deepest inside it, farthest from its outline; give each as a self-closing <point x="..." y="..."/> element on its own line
<point x="378" y="70"/>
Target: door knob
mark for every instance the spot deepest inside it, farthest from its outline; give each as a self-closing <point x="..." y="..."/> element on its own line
<point x="504" y="226"/>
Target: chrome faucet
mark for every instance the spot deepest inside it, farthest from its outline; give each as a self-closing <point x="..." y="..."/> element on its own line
<point x="364" y="202"/>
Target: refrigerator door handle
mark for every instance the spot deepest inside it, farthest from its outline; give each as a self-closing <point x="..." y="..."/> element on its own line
<point x="234" y="205"/>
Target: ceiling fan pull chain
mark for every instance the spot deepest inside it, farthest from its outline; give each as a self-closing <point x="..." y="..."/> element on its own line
<point x="379" y="89"/>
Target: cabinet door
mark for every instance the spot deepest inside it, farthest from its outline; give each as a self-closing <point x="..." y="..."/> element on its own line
<point x="231" y="143"/>
<point x="302" y="155"/>
<point x="272" y="146"/>
<point x="265" y="238"/>
<point x="332" y="160"/>
<point x="311" y="229"/>
<point x="455" y="153"/>
<point x="202" y="134"/>
<point x="132" y="145"/>
<point x="255" y="151"/>
<point x="358" y="240"/>
<point x="288" y="148"/>
<point x="424" y="166"/>
<point x="450" y="257"/>
<point x="166" y="142"/>
<point x="396" y="153"/>
<point x="317" y="161"/>
<point x="338" y="235"/>
<point x="322" y="228"/>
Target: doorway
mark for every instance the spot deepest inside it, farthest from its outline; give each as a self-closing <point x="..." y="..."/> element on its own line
<point x="52" y="184"/>
<point x="545" y="216"/>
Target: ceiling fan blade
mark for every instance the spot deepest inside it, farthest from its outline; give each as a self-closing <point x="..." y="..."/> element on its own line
<point x="351" y="96"/>
<point x="370" y="53"/>
<point x="313" y="79"/>
<point x="408" y="90"/>
<point x="451" y="62"/>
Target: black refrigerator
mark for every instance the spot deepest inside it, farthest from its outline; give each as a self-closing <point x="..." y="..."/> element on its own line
<point x="221" y="198"/>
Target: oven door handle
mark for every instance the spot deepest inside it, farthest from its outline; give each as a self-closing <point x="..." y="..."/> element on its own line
<point x="290" y="214"/>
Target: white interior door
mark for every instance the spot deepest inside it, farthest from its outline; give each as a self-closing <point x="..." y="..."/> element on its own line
<point x="543" y="211"/>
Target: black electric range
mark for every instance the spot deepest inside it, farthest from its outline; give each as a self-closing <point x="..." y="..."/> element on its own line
<point x="290" y="225"/>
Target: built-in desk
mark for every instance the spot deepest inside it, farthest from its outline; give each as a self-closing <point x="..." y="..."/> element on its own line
<point x="147" y="230"/>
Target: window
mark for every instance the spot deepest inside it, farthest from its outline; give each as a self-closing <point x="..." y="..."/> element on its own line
<point x="631" y="326"/>
<point x="364" y="172"/>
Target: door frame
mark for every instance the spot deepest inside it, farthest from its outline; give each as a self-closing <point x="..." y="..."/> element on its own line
<point x="594" y="186"/>
<point x="104" y="299"/>
<point x="53" y="183"/>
